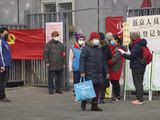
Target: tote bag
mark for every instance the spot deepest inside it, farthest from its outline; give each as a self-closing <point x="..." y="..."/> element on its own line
<point x="84" y="90"/>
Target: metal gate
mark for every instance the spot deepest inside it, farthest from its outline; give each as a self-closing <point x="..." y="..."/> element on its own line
<point x="37" y="71"/>
<point x="34" y="72"/>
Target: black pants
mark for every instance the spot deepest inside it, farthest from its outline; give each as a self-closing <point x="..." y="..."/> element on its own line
<point x="103" y="88"/>
<point x="116" y="87"/>
<point x="3" y="80"/>
<point x="55" y="80"/>
<point x="137" y="75"/>
<point x="76" y="77"/>
<point x="97" y="91"/>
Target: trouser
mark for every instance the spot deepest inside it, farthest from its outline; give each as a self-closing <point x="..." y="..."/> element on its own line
<point x="116" y="87"/>
<point x="138" y="75"/>
<point x="76" y="77"/>
<point x="103" y="89"/>
<point x="58" y="83"/>
<point x="3" y="81"/>
<point x="104" y="86"/>
<point x="97" y="91"/>
<point x="95" y="100"/>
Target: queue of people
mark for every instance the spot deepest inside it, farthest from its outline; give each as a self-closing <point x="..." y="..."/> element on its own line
<point x="101" y="59"/>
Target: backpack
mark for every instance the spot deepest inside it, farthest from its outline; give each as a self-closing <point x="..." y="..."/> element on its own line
<point x="147" y="55"/>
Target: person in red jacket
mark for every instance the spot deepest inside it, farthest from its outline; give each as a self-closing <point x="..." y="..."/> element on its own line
<point x="115" y="66"/>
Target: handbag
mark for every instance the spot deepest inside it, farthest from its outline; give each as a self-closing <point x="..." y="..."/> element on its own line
<point x="84" y="90"/>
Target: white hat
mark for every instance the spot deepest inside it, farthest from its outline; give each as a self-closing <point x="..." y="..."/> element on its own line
<point x="109" y="35"/>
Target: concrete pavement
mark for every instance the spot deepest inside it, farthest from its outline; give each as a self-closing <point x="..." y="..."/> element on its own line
<point x="33" y="103"/>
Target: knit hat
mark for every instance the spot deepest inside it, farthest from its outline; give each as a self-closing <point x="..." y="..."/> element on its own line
<point x="102" y="36"/>
<point x="78" y="36"/>
<point x="55" y="34"/>
<point x="109" y="35"/>
<point x="94" y="35"/>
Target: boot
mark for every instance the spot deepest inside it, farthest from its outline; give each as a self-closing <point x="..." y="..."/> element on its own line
<point x="95" y="107"/>
<point x="83" y="105"/>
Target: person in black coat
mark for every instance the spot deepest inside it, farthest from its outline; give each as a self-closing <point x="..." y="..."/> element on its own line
<point x="136" y="66"/>
<point x="91" y="67"/>
<point x="107" y="55"/>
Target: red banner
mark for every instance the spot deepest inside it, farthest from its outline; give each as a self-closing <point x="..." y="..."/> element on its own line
<point x="146" y="3"/>
<point x="28" y="44"/>
<point x="114" y="25"/>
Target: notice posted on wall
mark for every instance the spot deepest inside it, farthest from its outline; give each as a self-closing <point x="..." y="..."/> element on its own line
<point x="148" y="28"/>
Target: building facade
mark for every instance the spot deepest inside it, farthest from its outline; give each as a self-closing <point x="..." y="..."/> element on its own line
<point x="87" y="19"/>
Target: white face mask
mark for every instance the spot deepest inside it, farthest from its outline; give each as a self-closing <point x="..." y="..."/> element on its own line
<point x="81" y="42"/>
<point x="56" y="38"/>
<point x="96" y="42"/>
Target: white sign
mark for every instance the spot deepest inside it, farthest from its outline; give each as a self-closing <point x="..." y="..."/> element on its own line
<point x="129" y="80"/>
<point x="155" y="81"/>
<point x="148" y="27"/>
<point x="54" y="26"/>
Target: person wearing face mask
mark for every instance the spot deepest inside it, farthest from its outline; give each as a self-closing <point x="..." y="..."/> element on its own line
<point x="54" y="55"/>
<point x="106" y="56"/>
<point x="91" y="67"/>
<point x="5" y="63"/>
<point x="115" y="66"/>
<point x="76" y="50"/>
<point x="136" y="66"/>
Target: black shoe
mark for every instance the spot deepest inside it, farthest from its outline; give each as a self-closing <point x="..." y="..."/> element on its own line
<point x="118" y="98"/>
<point x="101" y="102"/>
<point x="5" y="100"/>
<point x="51" y="93"/>
<point x="59" y="92"/>
<point x="115" y="99"/>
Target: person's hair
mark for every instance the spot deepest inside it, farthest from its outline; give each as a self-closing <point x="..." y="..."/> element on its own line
<point x="117" y="39"/>
<point x="102" y="36"/>
<point x="3" y="29"/>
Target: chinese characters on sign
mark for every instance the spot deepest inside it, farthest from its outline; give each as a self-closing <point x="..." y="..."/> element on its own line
<point x="126" y="33"/>
<point x="148" y="27"/>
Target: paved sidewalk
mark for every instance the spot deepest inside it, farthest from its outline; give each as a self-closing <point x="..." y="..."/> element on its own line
<point x="33" y="103"/>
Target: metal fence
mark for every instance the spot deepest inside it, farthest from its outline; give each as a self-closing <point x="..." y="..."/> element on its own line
<point x="34" y="72"/>
<point x="37" y="76"/>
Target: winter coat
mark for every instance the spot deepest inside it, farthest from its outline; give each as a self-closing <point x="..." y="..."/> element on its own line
<point x="136" y="53"/>
<point x="116" y="63"/>
<point x="5" y="54"/>
<point x="54" y="55"/>
<point x="91" y="63"/>
<point x="76" y="57"/>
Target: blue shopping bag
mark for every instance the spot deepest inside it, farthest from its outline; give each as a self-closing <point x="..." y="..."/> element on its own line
<point x="84" y="90"/>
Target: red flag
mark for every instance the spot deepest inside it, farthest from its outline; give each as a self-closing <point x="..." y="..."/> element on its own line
<point x="29" y="44"/>
<point x="114" y="25"/>
<point x="146" y="3"/>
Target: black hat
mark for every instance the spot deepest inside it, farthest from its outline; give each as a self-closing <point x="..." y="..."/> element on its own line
<point x="102" y="36"/>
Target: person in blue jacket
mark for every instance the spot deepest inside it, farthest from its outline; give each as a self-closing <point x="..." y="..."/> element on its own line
<point x="5" y="63"/>
<point x="76" y="49"/>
